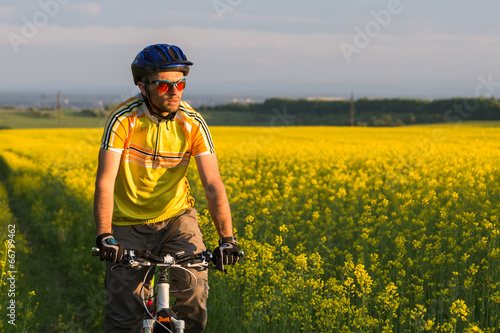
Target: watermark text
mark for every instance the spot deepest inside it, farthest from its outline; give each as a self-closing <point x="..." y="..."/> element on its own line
<point x="11" y="279"/>
<point x="31" y="27"/>
<point x="226" y="6"/>
<point x="363" y="37"/>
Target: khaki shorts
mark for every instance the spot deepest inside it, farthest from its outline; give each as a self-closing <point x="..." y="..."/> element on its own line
<point x="124" y="307"/>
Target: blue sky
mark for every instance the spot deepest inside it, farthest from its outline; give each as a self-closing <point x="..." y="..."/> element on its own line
<point x="255" y="48"/>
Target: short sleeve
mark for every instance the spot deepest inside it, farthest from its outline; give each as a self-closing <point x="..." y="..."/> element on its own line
<point x="202" y="143"/>
<point x="114" y="135"/>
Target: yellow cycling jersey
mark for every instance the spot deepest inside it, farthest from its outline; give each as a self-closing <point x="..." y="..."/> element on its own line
<point x="151" y="184"/>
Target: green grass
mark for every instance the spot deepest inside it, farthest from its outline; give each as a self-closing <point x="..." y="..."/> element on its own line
<point x="18" y="119"/>
<point x="483" y="123"/>
<point x="236" y="118"/>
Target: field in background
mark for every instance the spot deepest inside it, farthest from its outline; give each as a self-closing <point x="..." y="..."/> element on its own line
<point x="344" y="229"/>
<point x="15" y="119"/>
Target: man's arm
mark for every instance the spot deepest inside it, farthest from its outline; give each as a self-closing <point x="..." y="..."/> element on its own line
<point x="218" y="205"/>
<point x="109" y="163"/>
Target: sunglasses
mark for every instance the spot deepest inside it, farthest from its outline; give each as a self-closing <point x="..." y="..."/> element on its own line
<point x="166" y="85"/>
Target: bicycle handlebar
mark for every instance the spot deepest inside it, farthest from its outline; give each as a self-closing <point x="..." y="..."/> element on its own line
<point x="146" y="258"/>
<point x="139" y="258"/>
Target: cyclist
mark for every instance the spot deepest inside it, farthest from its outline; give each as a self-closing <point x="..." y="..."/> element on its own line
<point x="142" y="199"/>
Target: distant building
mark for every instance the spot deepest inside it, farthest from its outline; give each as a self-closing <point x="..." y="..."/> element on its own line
<point x="326" y="99"/>
<point x="244" y="100"/>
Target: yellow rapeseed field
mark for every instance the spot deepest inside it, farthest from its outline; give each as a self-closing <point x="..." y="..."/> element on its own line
<point x="344" y="229"/>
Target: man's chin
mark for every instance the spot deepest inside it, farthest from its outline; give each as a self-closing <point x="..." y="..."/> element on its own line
<point x="166" y="112"/>
<point x="171" y="107"/>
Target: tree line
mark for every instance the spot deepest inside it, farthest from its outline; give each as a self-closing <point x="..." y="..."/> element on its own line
<point x="371" y="112"/>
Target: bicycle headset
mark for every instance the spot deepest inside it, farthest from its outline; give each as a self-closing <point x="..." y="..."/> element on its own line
<point x="159" y="58"/>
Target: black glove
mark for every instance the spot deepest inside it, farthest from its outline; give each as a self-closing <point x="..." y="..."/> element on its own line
<point x="226" y="254"/>
<point x="109" y="248"/>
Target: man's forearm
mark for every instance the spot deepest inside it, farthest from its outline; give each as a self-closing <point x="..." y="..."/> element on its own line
<point x="103" y="210"/>
<point x="220" y="211"/>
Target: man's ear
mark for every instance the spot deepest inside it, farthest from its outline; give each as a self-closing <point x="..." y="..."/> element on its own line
<point x="142" y="87"/>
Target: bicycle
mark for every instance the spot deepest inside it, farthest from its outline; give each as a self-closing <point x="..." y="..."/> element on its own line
<point x="158" y="315"/>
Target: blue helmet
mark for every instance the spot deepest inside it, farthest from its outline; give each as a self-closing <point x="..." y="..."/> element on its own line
<point x="159" y="58"/>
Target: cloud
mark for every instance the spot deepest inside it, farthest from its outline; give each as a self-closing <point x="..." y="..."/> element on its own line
<point x="6" y="12"/>
<point x="90" y="10"/>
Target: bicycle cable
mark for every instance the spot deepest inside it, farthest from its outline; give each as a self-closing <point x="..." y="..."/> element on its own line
<point x="172" y="291"/>
<point x="144" y="301"/>
<point x="190" y="282"/>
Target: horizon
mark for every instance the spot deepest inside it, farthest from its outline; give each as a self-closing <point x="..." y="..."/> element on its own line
<point x="81" y="100"/>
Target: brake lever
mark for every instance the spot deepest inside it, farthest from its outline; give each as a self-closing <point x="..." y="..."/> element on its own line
<point x="212" y="266"/>
<point x="130" y="260"/>
<point x="122" y="263"/>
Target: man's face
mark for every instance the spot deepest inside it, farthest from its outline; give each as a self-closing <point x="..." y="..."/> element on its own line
<point x="163" y="102"/>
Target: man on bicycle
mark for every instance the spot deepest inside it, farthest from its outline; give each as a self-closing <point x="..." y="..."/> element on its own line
<point x="142" y="199"/>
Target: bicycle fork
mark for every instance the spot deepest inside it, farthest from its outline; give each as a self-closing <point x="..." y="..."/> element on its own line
<point x="163" y="312"/>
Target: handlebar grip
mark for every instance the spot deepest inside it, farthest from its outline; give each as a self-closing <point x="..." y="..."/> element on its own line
<point x="96" y="252"/>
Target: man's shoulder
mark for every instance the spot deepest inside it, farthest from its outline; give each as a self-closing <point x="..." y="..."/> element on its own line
<point x="194" y="123"/>
<point x="189" y="114"/>
<point x="187" y="109"/>
<point x="128" y="107"/>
